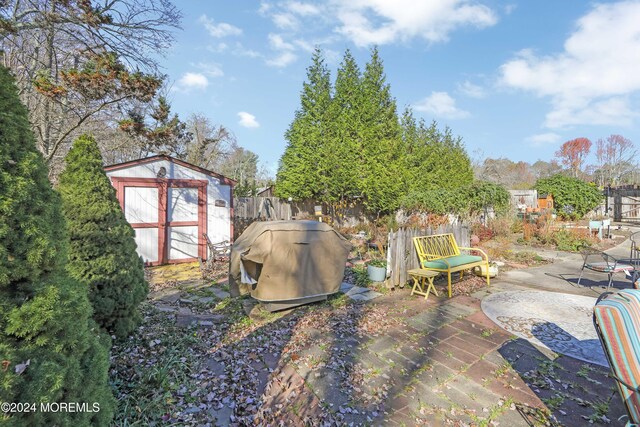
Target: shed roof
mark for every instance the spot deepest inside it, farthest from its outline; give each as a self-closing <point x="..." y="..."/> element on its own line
<point x="223" y="179"/>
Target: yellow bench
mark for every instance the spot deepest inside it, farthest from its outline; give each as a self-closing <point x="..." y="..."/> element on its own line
<point x="440" y="252"/>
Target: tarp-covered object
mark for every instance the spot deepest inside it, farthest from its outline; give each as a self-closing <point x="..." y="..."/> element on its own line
<point x="289" y="260"/>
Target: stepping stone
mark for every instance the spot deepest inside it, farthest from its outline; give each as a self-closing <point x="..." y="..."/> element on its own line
<point x="186" y="301"/>
<point x="356" y="290"/>
<point x="200" y="319"/>
<point x="365" y="296"/>
<point x="205" y="300"/>
<point x="220" y="293"/>
<point x="166" y="308"/>
<point x="167" y="296"/>
<point x="344" y="287"/>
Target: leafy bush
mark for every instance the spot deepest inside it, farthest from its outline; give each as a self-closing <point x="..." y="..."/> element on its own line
<point x="377" y="263"/>
<point x="573" y="198"/>
<point x="52" y="351"/>
<point x="483" y="232"/>
<point x="467" y="200"/>
<point x="102" y="250"/>
<point x="361" y="276"/>
<point x="571" y="239"/>
<point x="481" y="194"/>
<point x="501" y="226"/>
<point x="438" y="201"/>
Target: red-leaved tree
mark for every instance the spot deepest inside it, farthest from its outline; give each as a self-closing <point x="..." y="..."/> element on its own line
<point x="573" y="153"/>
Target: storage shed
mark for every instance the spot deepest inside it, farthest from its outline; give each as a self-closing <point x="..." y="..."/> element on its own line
<point x="545" y="201"/>
<point x="172" y="205"/>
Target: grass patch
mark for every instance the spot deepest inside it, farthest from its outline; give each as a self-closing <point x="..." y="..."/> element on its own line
<point x="146" y="390"/>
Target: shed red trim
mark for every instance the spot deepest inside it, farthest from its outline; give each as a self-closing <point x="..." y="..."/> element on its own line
<point x="163" y="224"/>
<point x="223" y="179"/>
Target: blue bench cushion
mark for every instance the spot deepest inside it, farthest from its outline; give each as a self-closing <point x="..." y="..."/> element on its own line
<point x="453" y="261"/>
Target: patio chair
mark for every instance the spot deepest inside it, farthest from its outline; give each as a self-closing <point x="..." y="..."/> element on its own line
<point x="602" y="262"/>
<point x="616" y="317"/>
<point x="635" y="246"/>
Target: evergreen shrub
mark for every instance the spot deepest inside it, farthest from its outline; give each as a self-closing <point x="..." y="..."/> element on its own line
<point x="102" y="249"/>
<point x="51" y="351"/>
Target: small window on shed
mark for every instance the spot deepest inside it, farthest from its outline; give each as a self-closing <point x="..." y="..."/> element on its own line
<point x="221" y="203"/>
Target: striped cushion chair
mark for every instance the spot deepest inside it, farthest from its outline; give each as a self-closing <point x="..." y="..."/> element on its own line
<point x="602" y="262"/>
<point x="616" y="317"/>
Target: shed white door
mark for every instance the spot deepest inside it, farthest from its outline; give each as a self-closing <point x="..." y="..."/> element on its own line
<point x="141" y="210"/>
<point x="169" y="217"/>
<point x="182" y="216"/>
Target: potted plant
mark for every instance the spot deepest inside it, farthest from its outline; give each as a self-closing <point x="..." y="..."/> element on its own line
<point x="377" y="270"/>
<point x="481" y="270"/>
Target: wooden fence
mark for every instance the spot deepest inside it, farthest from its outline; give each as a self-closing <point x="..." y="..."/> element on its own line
<point x="401" y="254"/>
<point x="264" y="208"/>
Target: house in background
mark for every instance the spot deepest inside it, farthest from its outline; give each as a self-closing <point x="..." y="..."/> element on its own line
<point x="265" y="191"/>
<point x="172" y="205"/>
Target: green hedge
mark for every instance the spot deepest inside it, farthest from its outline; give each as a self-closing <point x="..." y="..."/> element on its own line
<point x="572" y="198"/>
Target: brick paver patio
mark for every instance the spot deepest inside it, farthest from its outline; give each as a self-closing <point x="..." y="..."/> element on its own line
<point x="446" y="363"/>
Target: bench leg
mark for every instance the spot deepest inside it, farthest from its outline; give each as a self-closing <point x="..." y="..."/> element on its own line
<point x="449" y="282"/>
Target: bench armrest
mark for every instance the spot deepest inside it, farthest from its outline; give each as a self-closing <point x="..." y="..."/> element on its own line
<point x="483" y="253"/>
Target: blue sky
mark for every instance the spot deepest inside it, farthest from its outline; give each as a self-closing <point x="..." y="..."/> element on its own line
<point x="513" y="79"/>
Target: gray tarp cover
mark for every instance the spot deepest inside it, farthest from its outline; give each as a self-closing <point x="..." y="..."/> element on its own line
<point x="289" y="260"/>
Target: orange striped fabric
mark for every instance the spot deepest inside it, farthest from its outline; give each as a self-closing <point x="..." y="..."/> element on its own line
<point x="617" y="319"/>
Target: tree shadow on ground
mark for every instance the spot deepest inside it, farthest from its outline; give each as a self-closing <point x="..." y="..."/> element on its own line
<point x="575" y="392"/>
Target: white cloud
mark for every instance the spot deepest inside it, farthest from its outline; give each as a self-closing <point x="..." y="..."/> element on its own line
<point x="368" y="22"/>
<point x="440" y="104"/>
<point x="192" y="81"/>
<point x="303" y="9"/>
<point x="543" y="139"/>
<point x="284" y="52"/>
<point x="240" y="50"/>
<point x="210" y="69"/>
<point x="285" y="21"/>
<point x="248" y="120"/>
<point x="218" y="48"/>
<point x="590" y="80"/>
<point x="509" y="8"/>
<point x="277" y="42"/>
<point x="471" y="90"/>
<point x="282" y="60"/>
<point x="219" y="30"/>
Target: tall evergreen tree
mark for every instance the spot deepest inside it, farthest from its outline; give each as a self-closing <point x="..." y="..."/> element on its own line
<point x="51" y="349"/>
<point x="434" y="159"/>
<point x="102" y="251"/>
<point x="300" y="173"/>
<point x="345" y="155"/>
<point x="381" y="175"/>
